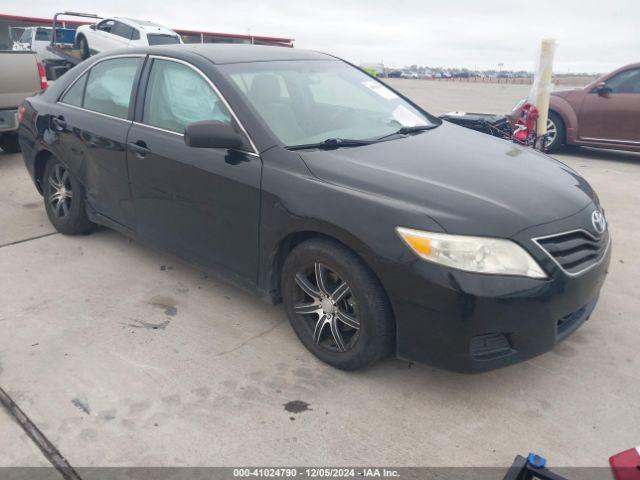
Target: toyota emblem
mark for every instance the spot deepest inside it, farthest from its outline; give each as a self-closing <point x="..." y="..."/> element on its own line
<point x="598" y="221"/>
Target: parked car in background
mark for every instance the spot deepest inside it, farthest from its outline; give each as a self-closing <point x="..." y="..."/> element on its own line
<point x="114" y="33"/>
<point x="301" y="178"/>
<point x="35" y="39"/>
<point x="20" y="76"/>
<point x="409" y="74"/>
<point x="604" y="114"/>
<point x="38" y="40"/>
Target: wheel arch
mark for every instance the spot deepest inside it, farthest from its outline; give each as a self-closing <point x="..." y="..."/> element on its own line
<point x="294" y="238"/>
<point x="39" y="164"/>
<point x="564" y="110"/>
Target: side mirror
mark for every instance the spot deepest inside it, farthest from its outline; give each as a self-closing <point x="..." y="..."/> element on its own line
<point x="212" y="134"/>
<point x="603" y="90"/>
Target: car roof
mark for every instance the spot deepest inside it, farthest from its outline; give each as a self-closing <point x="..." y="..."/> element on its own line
<point x="238" y="53"/>
<point x="146" y="25"/>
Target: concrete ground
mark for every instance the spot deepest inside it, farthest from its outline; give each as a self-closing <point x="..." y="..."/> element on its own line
<point x="123" y="356"/>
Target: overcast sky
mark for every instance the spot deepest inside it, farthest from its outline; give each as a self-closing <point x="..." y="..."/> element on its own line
<point x="592" y="35"/>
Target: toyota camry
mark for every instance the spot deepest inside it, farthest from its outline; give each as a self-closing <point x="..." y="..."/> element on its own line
<point x="297" y="176"/>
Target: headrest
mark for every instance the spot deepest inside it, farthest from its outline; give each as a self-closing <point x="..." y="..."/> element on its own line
<point x="265" y="88"/>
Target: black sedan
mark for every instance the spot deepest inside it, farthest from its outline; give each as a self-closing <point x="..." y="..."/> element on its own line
<point x="301" y="178"/>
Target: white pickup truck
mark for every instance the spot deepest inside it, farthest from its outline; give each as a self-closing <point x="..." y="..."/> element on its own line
<point x="36" y="39"/>
<point x="20" y="77"/>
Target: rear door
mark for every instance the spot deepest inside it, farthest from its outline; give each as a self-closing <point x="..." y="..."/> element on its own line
<point x="614" y="116"/>
<point x="94" y="117"/>
<point x="199" y="203"/>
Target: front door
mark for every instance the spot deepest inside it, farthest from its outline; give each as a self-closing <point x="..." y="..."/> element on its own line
<point x="614" y="113"/>
<point x="199" y="203"/>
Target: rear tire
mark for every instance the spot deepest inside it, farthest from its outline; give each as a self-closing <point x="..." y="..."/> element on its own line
<point x="345" y="320"/>
<point x="9" y="143"/>
<point x="64" y="199"/>
<point x="83" y="46"/>
<point x="560" y="132"/>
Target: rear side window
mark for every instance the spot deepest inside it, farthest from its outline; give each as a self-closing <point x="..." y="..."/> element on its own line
<point x="157" y="39"/>
<point x="135" y="34"/>
<point x="110" y="85"/>
<point x="75" y="93"/>
<point x="177" y="95"/>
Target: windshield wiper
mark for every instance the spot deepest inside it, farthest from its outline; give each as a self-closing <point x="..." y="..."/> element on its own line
<point x="408" y="130"/>
<point x="331" y="143"/>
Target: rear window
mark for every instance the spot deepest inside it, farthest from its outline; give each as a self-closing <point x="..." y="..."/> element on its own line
<point x="161" y="39"/>
<point x="43" y="34"/>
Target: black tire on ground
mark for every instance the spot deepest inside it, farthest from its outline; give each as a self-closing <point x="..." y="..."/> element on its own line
<point x="68" y="215"/>
<point x="366" y="300"/>
<point x="83" y="46"/>
<point x="560" y="137"/>
<point x="9" y="143"/>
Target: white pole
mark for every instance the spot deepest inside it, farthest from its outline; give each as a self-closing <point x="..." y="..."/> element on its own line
<point x="542" y="86"/>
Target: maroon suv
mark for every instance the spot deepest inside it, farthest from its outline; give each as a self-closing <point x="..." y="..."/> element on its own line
<point x="604" y="114"/>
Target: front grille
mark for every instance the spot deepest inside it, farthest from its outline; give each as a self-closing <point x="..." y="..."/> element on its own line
<point x="575" y="251"/>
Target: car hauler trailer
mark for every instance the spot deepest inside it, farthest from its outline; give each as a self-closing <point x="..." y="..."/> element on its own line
<point x="63" y="46"/>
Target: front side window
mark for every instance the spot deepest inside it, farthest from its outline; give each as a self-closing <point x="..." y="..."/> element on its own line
<point x="177" y="95"/>
<point x="625" y="82"/>
<point x="306" y="102"/>
<point x="106" y="25"/>
<point x="110" y="85"/>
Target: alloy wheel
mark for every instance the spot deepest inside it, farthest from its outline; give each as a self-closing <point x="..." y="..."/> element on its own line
<point x="552" y="132"/>
<point x="326" y="303"/>
<point x="60" y="191"/>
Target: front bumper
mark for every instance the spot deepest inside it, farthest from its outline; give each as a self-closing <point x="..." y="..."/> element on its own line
<point x="470" y="322"/>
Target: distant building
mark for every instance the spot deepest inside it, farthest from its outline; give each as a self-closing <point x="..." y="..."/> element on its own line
<point x="11" y="27"/>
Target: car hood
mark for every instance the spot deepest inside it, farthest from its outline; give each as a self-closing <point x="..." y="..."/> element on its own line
<point x="468" y="182"/>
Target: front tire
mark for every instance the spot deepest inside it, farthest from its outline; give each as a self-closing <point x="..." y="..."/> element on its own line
<point x="83" y="46"/>
<point x="336" y="305"/>
<point x="64" y="199"/>
<point x="556" y="132"/>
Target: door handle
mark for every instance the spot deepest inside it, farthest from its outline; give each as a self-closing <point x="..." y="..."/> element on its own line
<point x="139" y="148"/>
<point x="59" y="123"/>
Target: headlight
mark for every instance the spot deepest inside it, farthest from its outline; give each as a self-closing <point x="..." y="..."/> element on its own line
<point x="474" y="254"/>
<point x="518" y="104"/>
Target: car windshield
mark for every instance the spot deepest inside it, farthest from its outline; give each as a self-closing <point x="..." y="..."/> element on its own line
<point x="162" y="39"/>
<point x="308" y="102"/>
